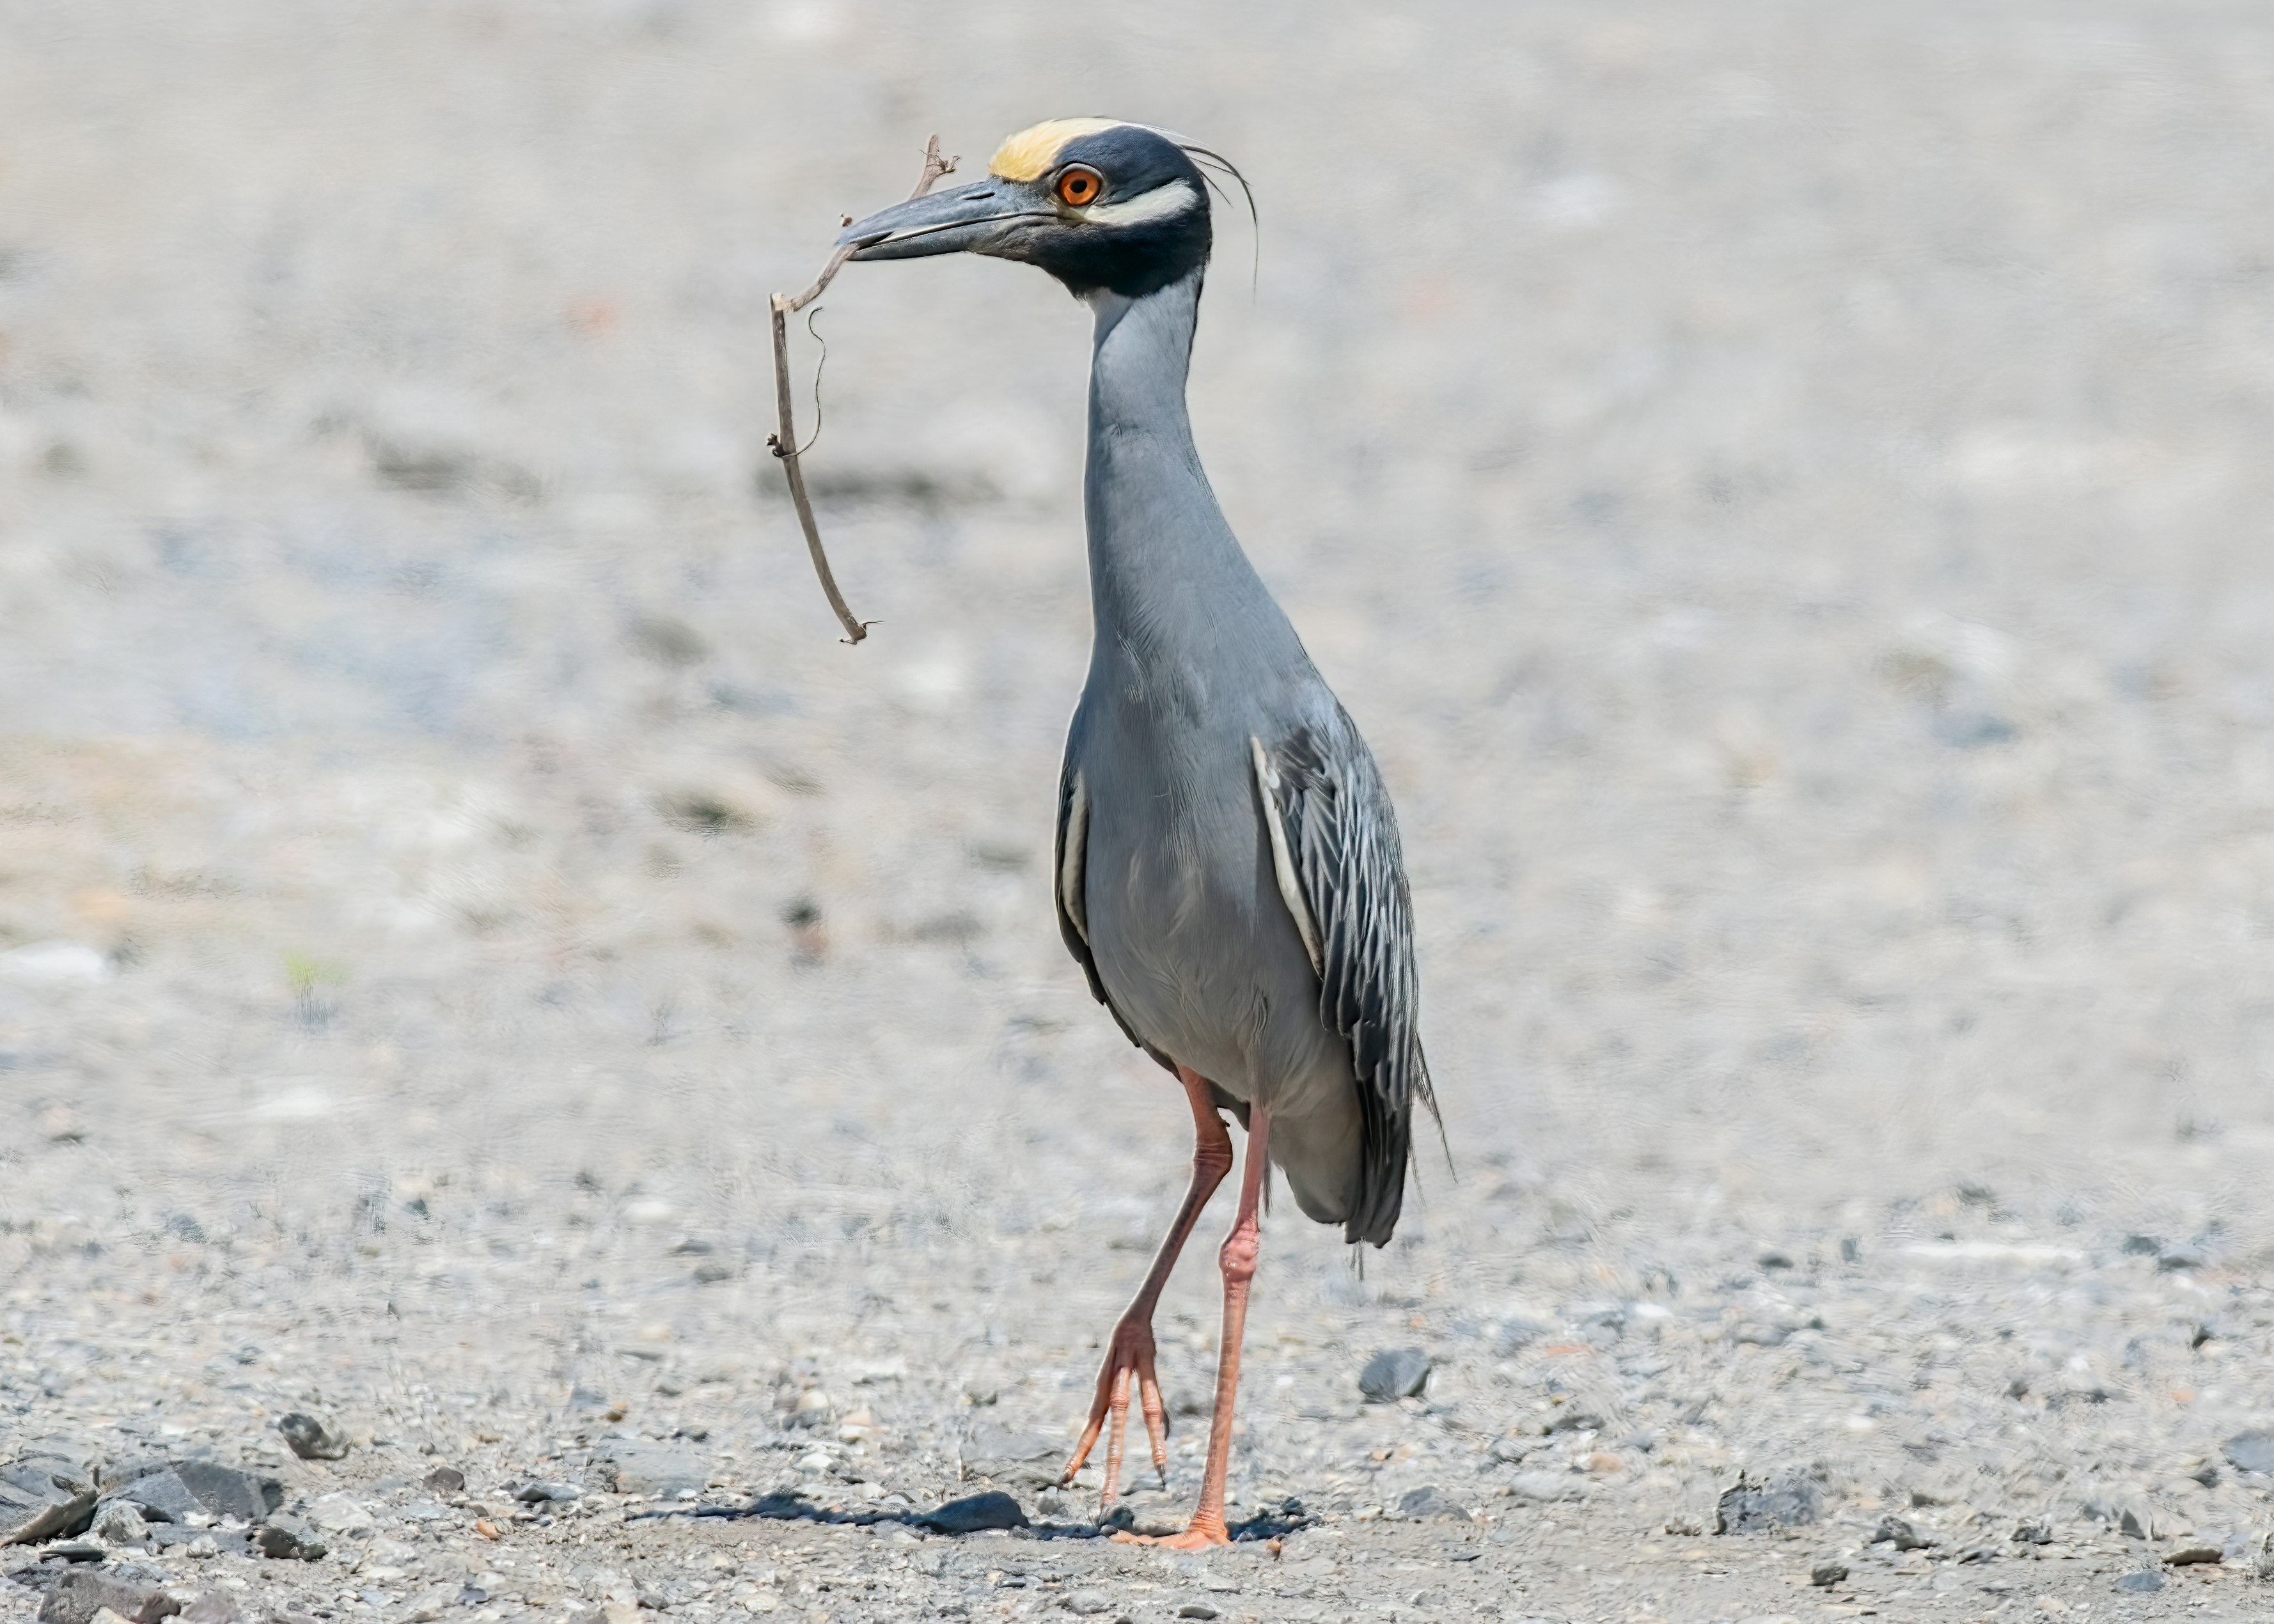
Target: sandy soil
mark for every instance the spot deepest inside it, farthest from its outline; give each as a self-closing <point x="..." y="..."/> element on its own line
<point x="1782" y="488"/>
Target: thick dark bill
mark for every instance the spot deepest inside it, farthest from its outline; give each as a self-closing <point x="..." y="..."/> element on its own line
<point x="965" y="220"/>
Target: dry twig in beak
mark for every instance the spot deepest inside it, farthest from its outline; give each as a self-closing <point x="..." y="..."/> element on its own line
<point x="784" y="439"/>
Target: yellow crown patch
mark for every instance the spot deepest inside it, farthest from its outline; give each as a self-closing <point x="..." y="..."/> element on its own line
<point x="1028" y="154"/>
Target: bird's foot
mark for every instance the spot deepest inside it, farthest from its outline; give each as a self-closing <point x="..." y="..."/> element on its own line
<point x="1205" y="1533"/>
<point x="1128" y="1360"/>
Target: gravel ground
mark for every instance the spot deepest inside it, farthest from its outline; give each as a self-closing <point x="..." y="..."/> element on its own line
<point x="1783" y="489"/>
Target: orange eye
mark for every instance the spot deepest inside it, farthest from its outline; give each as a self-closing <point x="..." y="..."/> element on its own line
<point x="1078" y="188"/>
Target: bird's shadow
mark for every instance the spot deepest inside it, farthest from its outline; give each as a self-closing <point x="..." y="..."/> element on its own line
<point x="974" y="1514"/>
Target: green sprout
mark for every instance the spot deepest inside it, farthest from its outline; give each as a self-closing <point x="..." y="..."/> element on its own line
<point x="305" y="973"/>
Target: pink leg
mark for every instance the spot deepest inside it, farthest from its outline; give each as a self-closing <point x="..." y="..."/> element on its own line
<point x="1129" y="1354"/>
<point x="1237" y="1260"/>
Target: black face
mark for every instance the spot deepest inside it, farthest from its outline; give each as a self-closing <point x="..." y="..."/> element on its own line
<point x="1120" y="209"/>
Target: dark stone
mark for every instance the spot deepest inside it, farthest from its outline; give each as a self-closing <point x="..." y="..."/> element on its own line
<point x="2034" y="1534"/>
<point x="975" y="1512"/>
<point x="1896" y="1532"/>
<point x="2143" y="1584"/>
<point x="56" y="1519"/>
<point x="225" y="1491"/>
<point x="169" y="1493"/>
<point x="286" y="1536"/>
<point x="1196" y="1610"/>
<point x="162" y="1496"/>
<point x="226" y="1541"/>
<point x="1429" y="1501"/>
<point x="1789" y="1499"/>
<point x="2190" y="1556"/>
<point x="49" y="1492"/>
<point x="445" y="1480"/>
<point x="1394" y="1373"/>
<point x="538" y="1492"/>
<point x="311" y="1439"/>
<point x="2253" y="1452"/>
<point x="81" y="1593"/>
<point x="1824" y="1575"/>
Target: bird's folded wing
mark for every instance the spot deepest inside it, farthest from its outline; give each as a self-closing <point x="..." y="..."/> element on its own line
<point x="1335" y="849"/>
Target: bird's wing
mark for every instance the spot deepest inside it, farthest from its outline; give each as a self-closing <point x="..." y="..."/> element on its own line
<point x="1069" y="873"/>
<point x="1335" y="850"/>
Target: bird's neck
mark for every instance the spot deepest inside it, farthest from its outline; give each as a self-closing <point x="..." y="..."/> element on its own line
<point x="1143" y="351"/>
<point x="1165" y="568"/>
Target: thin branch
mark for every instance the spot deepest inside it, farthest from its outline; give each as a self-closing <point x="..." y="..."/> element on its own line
<point x="783" y="442"/>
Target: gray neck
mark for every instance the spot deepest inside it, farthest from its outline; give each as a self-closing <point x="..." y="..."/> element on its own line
<point x="1166" y="575"/>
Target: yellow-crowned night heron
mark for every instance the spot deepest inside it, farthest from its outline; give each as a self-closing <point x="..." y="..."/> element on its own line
<point x="1228" y="872"/>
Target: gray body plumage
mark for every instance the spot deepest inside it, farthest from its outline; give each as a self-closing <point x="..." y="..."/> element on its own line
<point x="1228" y="871"/>
<point x="1283" y="976"/>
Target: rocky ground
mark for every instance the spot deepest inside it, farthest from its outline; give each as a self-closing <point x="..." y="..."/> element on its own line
<point x="483" y="970"/>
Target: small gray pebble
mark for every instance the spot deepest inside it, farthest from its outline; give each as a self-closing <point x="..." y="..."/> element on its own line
<point x="538" y="1491"/>
<point x="1086" y="1603"/>
<point x="2253" y="1452"/>
<point x="289" y="1538"/>
<point x="311" y="1439"/>
<point x="1896" y="1532"/>
<point x="1789" y="1499"/>
<point x="1394" y="1373"/>
<point x="121" y="1523"/>
<point x="2141" y="1584"/>
<point x="1429" y="1501"/>
<point x="1825" y="1574"/>
<point x="975" y="1512"/>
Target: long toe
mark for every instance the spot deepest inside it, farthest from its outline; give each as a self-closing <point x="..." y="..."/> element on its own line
<point x="1128" y="1364"/>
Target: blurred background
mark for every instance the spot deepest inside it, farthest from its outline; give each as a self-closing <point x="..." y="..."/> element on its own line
<point x="1783" y="488"/>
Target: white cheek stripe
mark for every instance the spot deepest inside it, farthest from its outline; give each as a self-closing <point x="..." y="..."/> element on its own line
<point x="1175" y="198"/>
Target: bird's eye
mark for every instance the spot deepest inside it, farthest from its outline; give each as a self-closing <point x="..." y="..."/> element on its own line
<point x="1077" y="188"/>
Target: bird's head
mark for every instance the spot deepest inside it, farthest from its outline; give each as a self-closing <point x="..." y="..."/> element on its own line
<point x="1095" y="203"/>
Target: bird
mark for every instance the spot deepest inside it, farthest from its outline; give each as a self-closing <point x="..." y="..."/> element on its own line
<point x="1227" y="873"/>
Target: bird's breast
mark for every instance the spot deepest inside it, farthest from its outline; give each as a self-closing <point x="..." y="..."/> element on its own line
<point x="1191" y="940"/>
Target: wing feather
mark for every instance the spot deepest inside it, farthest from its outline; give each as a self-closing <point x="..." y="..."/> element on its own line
<point x="1323" y="789"/>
